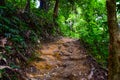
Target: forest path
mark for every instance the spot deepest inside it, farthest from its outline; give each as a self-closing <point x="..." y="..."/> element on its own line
<point x="65" y="59"/>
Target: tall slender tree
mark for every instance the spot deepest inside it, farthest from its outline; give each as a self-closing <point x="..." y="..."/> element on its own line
<point x="27" y="7"/>
<point x="55" y="13"/>
<point x="114" y="47"/>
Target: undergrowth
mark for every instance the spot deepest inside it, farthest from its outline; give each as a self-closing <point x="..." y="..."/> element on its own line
<point x="20" y="32"/>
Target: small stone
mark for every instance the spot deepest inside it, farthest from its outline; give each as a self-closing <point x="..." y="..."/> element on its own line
<point x="80" y="73"/>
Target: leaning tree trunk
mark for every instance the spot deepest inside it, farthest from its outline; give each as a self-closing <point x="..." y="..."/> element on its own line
<point x="55" y="13"/>
<point x="114" y="47"/>
<point x="27" y="7"/>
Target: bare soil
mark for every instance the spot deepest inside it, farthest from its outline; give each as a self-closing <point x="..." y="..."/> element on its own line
<point x="65" y="59"/>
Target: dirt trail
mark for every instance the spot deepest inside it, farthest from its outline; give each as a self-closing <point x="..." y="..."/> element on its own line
<point x="65" y="59"/>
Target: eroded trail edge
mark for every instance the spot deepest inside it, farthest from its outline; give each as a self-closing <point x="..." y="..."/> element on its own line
<point x="65" y="59"/>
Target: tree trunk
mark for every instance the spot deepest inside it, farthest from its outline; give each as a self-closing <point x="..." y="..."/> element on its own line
<point x="114" y="47"/>
<point x="43" y="4"/>
<point x="55" y="13"/>
<point x="2" y="2"/>
<point x="27" y="7"/>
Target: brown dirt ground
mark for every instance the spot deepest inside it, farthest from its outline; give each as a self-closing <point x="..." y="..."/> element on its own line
<point x="65" y="59"/>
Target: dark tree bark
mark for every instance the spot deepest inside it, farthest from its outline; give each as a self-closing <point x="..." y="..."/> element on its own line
<point x="43" y="4"/>
<point x="114" y="47"/>
<point x="55" y="13"/>
<point x="27" y="7"/>
<point x="2" y="2"/>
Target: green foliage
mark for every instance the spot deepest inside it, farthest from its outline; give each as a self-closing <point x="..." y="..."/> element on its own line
<point x="23" y="30"/>
<point x="20" y="38"/>
<point x="87" y="21"/>
<point x="97" y="37"/>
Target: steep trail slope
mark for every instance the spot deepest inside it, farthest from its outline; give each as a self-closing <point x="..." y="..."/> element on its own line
<point x="65" y="59"/>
